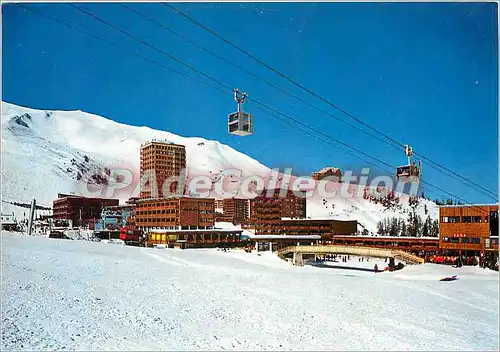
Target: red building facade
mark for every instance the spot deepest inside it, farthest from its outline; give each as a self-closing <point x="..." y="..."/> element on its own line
<point x="81" y="211"/>
<point x="468" y="228"/>
<point x="160" y="161"/>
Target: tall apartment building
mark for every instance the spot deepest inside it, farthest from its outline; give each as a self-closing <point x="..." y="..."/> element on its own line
<point x="162" y="160"/>
<point x="175" y="213"/>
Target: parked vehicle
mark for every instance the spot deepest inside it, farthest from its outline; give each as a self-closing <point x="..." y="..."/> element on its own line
<point x="131" y="236"/>
<point x="58" y="235"/>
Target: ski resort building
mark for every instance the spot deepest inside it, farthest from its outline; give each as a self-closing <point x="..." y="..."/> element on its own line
<point x="280" y="212"/>
<point x="234" y="210"/>
<point x="273" y="205"/>
<point x="201" y="238"/>
<point x="184" y="222"/>
<point x="80" y="211"/>
<point x="421" y="246"/>
<point x="334" y="173"/>
<point x="113" y="219"/>
<point x="175" y="213"/>
<point x="9" y="222"/>
<point x="468" y="229"/>
<point x="158" y="162"/>
<point x="324" y="228"/>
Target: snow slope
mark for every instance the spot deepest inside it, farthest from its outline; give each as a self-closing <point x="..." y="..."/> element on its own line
<point x="79" y="295"/>
<point x="46" y="152"/>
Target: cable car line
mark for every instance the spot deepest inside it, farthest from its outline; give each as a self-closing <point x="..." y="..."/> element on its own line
<point x="260" y="107"/>
<point x="278" y="72"/>
<point x="221" y="91"/>
<point x="210" y="77"/>
<point x="156" y="49"/>
<point x="274" y="115"/>
<point x="281" y="89"/>
<point x="112" y="44"/>
<point x="172" y="70"/>
<point x="433" y="164"/>
<point x="228" y="62"/>
<point x="380" y="161"/>
<point x="149" y="45"/>
<point x="437" y="165"/>
<point x="490" y="193"/>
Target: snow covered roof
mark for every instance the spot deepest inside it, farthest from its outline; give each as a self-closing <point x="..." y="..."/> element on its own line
<point x="325" y="169"/>
<point x="318" y="218"/>
<point x="284" y="237"/>
<point x="195" y="230"/>
<point x="164" y="141"/>
<point x="170" y="197"/>
<point x="389" y="237"/>
<point x="468" y="205"/>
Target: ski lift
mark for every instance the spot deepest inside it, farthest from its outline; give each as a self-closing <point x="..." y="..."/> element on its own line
<point x="240" y="123"/>
<point x="410" y="172"/>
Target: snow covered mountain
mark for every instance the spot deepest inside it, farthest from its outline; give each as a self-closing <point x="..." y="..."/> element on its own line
<point x="50" y="152"/>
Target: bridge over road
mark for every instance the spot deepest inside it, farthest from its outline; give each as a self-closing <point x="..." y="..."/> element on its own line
<point x="299" y="251"/>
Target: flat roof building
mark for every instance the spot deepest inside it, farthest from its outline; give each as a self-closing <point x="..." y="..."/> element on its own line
<point x="234" y="210"/>
<point x="159" y="161"/>
<point x="468" y="228"/>
<point x="175" y="213"/>
<point x="274" y="204"/>
<point x="81" y="211"/>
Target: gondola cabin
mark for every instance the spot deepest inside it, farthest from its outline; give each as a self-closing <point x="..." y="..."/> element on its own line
<point x="408" y="173"/>
<point x="240" y="123"/>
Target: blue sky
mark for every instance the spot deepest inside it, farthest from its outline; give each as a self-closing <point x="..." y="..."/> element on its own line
<point x="424" y="73"/>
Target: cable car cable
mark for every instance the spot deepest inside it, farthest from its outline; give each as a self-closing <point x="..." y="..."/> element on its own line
<point x="276" y="71"/>
<point x="30" y="8"/>
<point x="208" y="76"/>
<point x="228" y="62"/>
<point x="154" y="48"/>
<point x="149" y="45"/>
<point x="273" y="114"/>
<point x="186" y="76"/>
<point x="434" y="164"/>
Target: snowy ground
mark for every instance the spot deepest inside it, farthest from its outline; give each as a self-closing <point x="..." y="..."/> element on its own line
<point x="63" y="294"/>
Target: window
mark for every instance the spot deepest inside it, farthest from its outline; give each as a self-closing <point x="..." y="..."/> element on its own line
<point x="476" y="219"/>
<point x="454" y="240"/>
<point x="467" y="219"/>
<point x="471" y="219"/>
